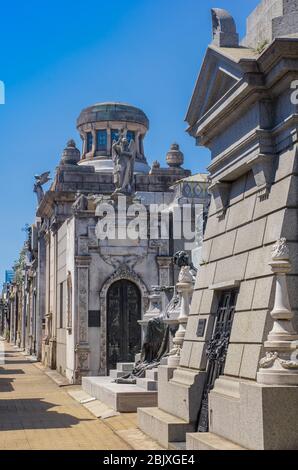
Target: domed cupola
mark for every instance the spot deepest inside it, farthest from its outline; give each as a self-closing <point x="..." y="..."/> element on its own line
<point x="99" y="125"/>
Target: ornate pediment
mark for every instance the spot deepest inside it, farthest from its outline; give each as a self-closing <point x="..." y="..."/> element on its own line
<point x="220" y="73"/>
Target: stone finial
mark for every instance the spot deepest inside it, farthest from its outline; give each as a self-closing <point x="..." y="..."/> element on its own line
<point x="155" y="165"/>
<point x="175" y="157"/>
<point x="70" y="155"/>
<point x="224" y="29"/>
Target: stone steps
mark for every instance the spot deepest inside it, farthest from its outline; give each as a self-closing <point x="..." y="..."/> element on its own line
<point x="163" y="426"/>
<point x="152" y="374"/>
<point x="209" y="441"/>
<point x="147" y="384"/>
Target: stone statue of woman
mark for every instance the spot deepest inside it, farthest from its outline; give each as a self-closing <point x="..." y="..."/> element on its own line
<point x="123" y="156"/>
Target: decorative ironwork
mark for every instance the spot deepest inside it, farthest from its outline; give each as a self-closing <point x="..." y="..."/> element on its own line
<point x="123" y="313"/>
<point x="216" y="351"/>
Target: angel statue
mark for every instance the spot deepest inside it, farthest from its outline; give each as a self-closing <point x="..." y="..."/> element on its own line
<point x="40" y="180"/>
<point x="123" y="156"/>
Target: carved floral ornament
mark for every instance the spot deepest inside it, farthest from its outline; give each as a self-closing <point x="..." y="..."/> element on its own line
<point x="280" y="250"/>
<point x="271" y="357"/>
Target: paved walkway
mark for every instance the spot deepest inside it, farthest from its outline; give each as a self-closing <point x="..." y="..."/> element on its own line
<point x="36" y="414"/>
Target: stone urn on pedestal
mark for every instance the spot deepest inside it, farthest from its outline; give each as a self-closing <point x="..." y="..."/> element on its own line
<point x="280" y="365"/>
<point x="184" y="288"/>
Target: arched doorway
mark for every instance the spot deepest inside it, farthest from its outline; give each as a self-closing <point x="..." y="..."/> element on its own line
<point x="123" y="330"/>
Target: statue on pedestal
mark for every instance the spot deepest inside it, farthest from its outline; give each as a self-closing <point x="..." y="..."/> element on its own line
<point x="123" y="156"/>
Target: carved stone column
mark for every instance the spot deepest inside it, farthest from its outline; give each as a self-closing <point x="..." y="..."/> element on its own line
<point x="184" y="288"/>
<point x="280" y="365"/>
<point x="109" y="143"/>
<point x="84" y="139"/>
<point x="93" y="151"/>
<point x="82" y="346"/>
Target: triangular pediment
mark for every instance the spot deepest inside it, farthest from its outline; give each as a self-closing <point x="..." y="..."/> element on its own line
<point x="220" y="73"/>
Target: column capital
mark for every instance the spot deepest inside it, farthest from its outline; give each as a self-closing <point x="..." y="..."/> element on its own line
<point x="164" y="261"/>
<point x="82" y="261"/>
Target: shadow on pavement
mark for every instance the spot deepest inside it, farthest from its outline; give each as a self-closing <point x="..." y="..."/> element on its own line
<point x="33" y="413"/>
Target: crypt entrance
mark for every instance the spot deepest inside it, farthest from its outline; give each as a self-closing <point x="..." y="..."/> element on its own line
<point x="123" y="329"/>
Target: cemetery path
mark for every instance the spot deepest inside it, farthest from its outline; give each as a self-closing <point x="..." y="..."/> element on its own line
<point x="37" y="414"/>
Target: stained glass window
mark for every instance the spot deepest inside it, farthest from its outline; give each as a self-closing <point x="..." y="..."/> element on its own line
<point x="101" y="139"/>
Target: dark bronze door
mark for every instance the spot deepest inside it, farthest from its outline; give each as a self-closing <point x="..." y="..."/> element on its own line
<point x="123" y="330"/>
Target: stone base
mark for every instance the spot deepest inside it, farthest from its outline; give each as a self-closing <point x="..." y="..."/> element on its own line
<point x="254" y="416"/>
<point x="269" y="377"/>
<point x="120" y="397"/>
<point x="209" y="441"/>
<point x="162" y="426"/>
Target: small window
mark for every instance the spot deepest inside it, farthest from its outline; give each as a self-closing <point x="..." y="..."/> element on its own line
<point x="101" y="140"/>
<point x="130" y="135"/>
<point x="89" y="141"/>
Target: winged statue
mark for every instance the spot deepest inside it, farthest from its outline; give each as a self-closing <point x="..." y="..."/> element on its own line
<point x="40" y="180"/>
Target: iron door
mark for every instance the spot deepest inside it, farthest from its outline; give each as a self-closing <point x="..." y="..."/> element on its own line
<point x="123" y="330"/>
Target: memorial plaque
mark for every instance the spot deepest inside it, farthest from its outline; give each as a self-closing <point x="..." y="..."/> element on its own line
<point x="94" y="318"/>
<point x="201" y="328"/>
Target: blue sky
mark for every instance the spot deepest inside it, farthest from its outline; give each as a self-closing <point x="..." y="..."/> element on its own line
<point x="58" y="57"/>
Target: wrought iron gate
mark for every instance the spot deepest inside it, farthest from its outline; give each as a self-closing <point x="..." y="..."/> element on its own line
<point x="123" y="330"/>
<point x="216" y="351"/>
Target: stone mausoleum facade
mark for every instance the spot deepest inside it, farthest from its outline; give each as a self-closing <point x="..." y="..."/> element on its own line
<point x="93" y="293"/>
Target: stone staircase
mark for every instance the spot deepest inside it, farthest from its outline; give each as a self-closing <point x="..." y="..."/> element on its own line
<point x="169" y="422"/>
<point x="149" y="382"/>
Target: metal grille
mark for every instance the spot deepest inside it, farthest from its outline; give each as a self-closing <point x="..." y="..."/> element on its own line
<point x="216" y="351"/>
